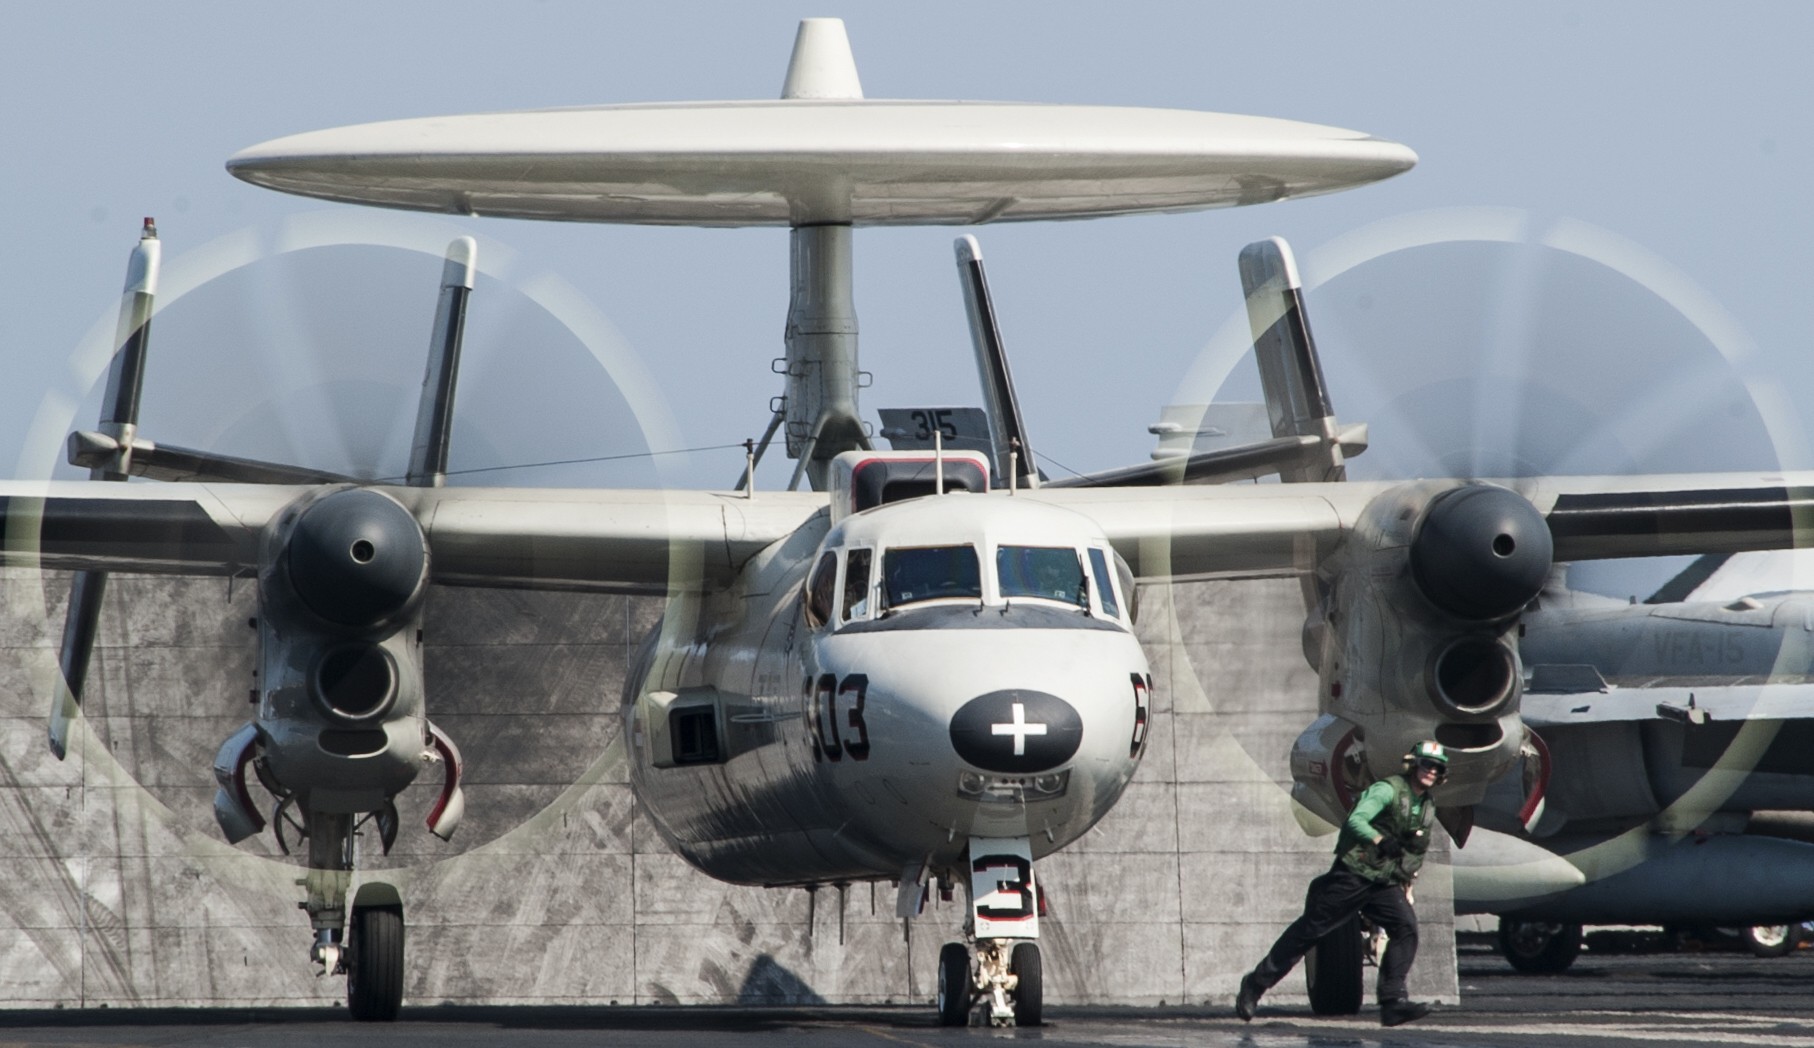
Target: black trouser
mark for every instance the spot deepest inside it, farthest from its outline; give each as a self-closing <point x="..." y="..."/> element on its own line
<point x="1332" y="899"/>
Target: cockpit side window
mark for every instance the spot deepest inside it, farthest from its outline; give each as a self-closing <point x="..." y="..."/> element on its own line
<point x="856" y="585"/>
<point x="1105" y="589"/>
<point x="931" y="573"/>
<point x="820" y="588"/>
<point x="1051" y="573"/>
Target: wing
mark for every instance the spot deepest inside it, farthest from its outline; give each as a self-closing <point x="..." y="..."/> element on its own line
<point x="1283" y="529"/>
<point x="607" y="541"/>
<point x="1710" y="702"/>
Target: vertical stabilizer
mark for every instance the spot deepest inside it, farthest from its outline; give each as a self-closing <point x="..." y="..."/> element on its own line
<point x="822" y="66"/>
<point x="1008" y="431"/>
<point x="1296" y="399"/>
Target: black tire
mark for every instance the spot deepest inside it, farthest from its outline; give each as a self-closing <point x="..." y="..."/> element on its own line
<point x="374" y="963"/>
<point x="1030" y="995"/>
<point x="1539" y="947"/>
<point x="1772" y="940"/>
<point x="953" y="985"/>
<point x="1332" y="970"/>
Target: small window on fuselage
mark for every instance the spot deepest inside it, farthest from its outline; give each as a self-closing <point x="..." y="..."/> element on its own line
<point x="1105" y="587"/>
<point x="856" y="585"/>
<point x="1048" y="572"/>
<point x="931" y="573"/>
<point x="820" y="588"/>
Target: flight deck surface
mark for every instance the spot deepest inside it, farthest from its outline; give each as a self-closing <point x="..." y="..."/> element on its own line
<point x="1685" y="998"/>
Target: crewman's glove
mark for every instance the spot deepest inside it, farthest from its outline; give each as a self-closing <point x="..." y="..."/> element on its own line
<point x="1389" y="848"/>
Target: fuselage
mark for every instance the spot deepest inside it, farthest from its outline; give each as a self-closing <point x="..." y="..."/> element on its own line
<point x="1752" y="639"/>
<point x="871" y="695"/>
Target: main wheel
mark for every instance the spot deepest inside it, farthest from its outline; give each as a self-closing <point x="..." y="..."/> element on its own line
<point x="1772" y="940"/>
<point x="1332" y="969"/>
<point x="374" y="963"/>
<point x="1539" y="947"/>
<point x="1029" y="997"/>
<point x="953" y="985"/>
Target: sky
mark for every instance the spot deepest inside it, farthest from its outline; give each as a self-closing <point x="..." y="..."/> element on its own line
<point x="1597" y="264"/>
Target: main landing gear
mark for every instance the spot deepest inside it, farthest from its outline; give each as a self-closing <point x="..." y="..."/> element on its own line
<point x="1539" y="947"/>
<point x="1333" y="970"/>
<point x="374" y="961"/>
<point x="363" y="942"/>
<point x="1005" y="973"/>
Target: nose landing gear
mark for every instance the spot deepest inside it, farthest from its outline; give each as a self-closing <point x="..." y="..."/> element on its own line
<point x="1005" y="974"/>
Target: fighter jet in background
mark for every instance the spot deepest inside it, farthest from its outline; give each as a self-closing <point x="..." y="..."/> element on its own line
<point x="1674" y="736"/>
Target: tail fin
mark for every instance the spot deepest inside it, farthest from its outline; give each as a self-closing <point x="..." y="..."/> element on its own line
<point x="1013" y="453"/>
<point x="1297" y="401"/>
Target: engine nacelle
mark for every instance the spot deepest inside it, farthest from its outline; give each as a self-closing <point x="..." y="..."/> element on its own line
<point x="340" y="693"/>
<point x="1417" y="632"/>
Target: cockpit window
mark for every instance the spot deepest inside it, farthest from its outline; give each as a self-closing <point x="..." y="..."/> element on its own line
<point x="1041" y="571"/>
<point x="931" y="573"/>
<point x="820" y="588"/>
<point x="1105" y="590"/>
<point x="856" y="585"/>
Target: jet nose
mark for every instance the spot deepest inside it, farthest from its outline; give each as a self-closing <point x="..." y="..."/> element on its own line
<point x="1016" y="731"/>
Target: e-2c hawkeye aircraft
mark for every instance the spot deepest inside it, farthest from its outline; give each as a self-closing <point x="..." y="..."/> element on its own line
<point x="1655" y="780"/>
<point x="922" y="670"/>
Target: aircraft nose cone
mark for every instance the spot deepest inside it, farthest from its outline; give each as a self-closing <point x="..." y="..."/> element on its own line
<point x="1016" y="731"/>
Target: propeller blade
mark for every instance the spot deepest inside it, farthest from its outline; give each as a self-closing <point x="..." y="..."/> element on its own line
<point x="1290" y="372"/>
<point x="1005" y="422"/>
<point x="119" y="418"/>
<point x="434" y="417"/>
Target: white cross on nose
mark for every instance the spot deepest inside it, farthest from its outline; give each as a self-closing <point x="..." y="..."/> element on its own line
<point x="1019" y="728"/>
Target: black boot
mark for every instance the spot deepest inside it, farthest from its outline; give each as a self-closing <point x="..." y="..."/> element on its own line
<point x="1249" y="997"/>
<point x="1398" y="1013"/>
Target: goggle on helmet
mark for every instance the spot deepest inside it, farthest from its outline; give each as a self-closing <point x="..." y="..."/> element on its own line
<point x="1428" y="754"/>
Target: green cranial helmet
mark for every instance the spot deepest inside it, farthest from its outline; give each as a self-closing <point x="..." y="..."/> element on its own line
<point x="1428" y="752"/>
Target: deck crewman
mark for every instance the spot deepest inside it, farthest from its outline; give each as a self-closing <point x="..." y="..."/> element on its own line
<point x="1377" y="856"/>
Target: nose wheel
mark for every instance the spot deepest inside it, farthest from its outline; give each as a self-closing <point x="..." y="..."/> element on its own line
<point x="1006" y="979"/>
<point x="955" y="985"/>
<point x="1029" y="984"/>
